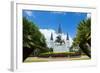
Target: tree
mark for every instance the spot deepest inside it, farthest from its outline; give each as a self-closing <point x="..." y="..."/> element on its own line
<point x="83" y="36"/>
<point x="32" y="39"/>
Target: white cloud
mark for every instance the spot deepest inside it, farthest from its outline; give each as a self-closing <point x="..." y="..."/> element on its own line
<point x="58" y="12"/>
<point x="47" y="34"/>
<point x="88" y="15"/>
<point x="29" y="13"/>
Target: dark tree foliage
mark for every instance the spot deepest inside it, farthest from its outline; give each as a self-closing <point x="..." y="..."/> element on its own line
<point x="32" y="39"/>
<point x="83" y="36"/>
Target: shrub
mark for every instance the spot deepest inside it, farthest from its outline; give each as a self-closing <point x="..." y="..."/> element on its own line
<point x="59" y="54"/>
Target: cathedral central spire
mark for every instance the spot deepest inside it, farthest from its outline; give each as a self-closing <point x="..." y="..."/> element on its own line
<point x="51" y="38"/>
<point x="67" y="38"/>
<point x="59" y="29"/>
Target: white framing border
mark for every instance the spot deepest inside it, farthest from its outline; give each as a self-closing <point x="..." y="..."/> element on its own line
<point x="16" y="43"/>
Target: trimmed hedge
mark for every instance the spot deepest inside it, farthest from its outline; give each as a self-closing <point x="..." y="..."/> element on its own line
<point x="59" y="54"/>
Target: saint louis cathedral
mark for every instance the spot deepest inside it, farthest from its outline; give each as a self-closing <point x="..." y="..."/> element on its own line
<point x="60" y="44"/>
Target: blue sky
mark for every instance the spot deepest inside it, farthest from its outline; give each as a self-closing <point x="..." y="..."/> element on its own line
<point x="52" y="19"/>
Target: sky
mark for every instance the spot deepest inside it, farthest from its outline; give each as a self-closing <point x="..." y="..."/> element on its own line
<point x="51" y="20"/>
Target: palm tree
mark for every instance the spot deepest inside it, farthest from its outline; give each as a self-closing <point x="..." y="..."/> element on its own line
<point x="33" y="39"/>
<point x="83" y="36"/>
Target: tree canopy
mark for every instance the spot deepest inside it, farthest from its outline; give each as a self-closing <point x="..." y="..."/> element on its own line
<point x="33" y="39"/>
<point x="31" y="34"/>
<point x="83" y="36"/>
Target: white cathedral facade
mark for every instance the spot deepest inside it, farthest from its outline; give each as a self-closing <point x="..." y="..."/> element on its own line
<point x="60" y="43"/>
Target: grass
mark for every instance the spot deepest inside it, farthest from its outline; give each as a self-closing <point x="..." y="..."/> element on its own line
<point x="54" y="53"/>
<point x="59" y="54"/>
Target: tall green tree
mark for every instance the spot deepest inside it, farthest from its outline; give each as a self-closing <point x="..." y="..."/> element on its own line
<point x="83" y="36"/>
<point x="32" y="34"/>
<point x="33" y="39"/>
